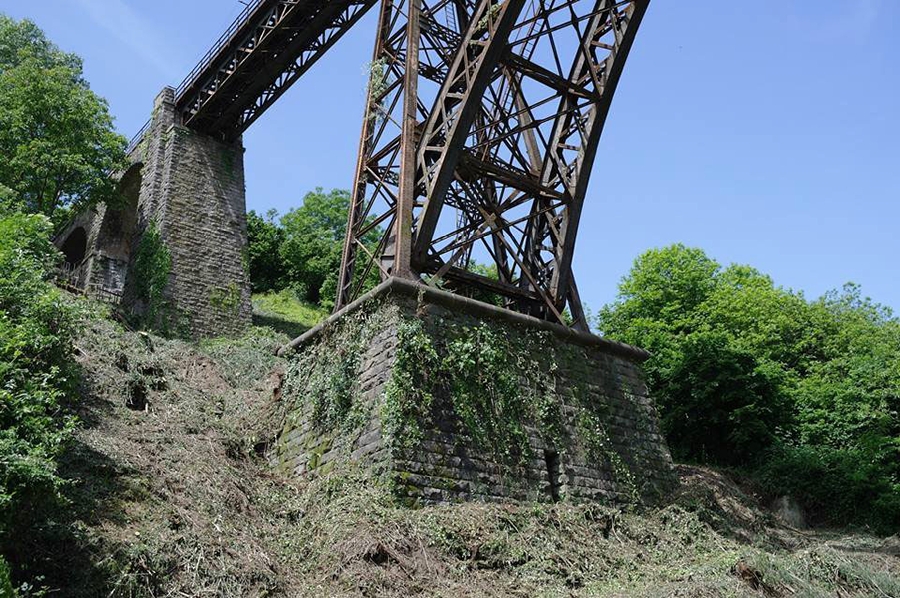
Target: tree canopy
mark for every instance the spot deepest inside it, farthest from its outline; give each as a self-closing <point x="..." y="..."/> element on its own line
<point x="302" y="250"/>
<point x="56" y="135"/>
<point x="746" y="373"/>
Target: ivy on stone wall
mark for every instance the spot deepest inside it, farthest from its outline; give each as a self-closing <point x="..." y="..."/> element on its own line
<point x="498" y="379"/>
<point x="226" y="300"/>
<point x="324" y="375"/>
<point x="408" y="395"/>
<point x="152" y="266"/>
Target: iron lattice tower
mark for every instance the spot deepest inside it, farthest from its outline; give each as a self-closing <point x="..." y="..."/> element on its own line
<point x="481" y="128"/>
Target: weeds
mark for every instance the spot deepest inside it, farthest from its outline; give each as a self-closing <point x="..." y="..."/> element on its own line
<point x="172" y="500"/>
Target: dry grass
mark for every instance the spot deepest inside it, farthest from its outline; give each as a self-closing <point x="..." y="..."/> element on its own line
<point x="172" y="499"/>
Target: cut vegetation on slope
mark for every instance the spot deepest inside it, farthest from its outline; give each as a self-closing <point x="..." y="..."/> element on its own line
<point x="170" y="496"/>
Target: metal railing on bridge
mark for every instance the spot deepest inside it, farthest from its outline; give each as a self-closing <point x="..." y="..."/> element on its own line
<point x="71" y="277"/>
<point x="226" y="38"/>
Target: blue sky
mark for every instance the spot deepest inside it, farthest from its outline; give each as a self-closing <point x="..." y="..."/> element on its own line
<point x="764" y="132"/>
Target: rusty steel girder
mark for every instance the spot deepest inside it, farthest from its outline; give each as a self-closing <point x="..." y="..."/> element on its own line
<point x="267" y="49"/>
<point x="481" y="129"/>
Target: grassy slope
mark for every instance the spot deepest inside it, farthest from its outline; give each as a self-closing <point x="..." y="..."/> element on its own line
<point x="285" y="313"/>
<point x="172" y="498"/>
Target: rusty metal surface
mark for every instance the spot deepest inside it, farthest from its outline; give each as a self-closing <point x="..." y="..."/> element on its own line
<point x="479" y="135"/>
<point x="509" y="101"/>
<point x="267" y="49"/>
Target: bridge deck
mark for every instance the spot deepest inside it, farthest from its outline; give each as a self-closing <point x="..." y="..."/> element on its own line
<point x="268" y="48"/>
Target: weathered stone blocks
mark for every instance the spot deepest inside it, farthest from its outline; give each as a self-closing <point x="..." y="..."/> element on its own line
<point x="191" y="187"/>
<point x="449" y="399"/>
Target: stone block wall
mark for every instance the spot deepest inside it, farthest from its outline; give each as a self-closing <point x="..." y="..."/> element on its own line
<point x="576" y="413"/>
<point x="192" y="187"/>
<point x="108" y="234"/>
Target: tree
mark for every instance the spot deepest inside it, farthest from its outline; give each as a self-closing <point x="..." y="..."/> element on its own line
<point x="664" y="286"/>
<point x="56" y="135"/>
<point x="265" y="236"/>
<point x="313" y="244"/>
<point x="805" y="394"/>
<point x="721" y="399"/>
<point x="38" y="375"/>
<point x="313" y="237"/>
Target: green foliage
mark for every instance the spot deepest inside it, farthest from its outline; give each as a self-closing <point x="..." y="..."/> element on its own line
<point x="719" y="403"/>
<point x="488" y="271"/>
<point x="313" y="238"/>
<point x="303" y="250"/>
<point x="152" y="266"/>
<point x="6" y="587"/>
<point x="378" y="84"/>
<point x="37" y="373"/>
<point x="837" y="485"/>
<point x="56" y="136"/>
<point x="265" y="236"/>
<point x="721" y="393"/>
<point x="226" y="299"/>
<point x="285" y="312"/>
<point x="323" y="375"/>
<point x="484" y="388"/>
<point x="408" y="396"/>
<point x="747" y="373"/>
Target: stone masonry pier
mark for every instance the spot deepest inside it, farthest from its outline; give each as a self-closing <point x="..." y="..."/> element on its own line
<point x="449" y="399"/>
<point x="190" y="187"/>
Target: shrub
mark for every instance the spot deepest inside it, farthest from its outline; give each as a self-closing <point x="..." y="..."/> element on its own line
<point x="719" y="403"/>
<point x="748" y="373"/>
<point x="36" y="329"/>
<point x="6" y="587"/>
<point x="152" y="266"/>
<point x="833" y="485"/>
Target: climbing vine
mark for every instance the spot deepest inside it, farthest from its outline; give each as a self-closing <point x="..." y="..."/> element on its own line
<point x="324" y="375"/>
<point x="599" y="445"/>
<point x="485" y="22"/>
<point x="378" y="84"/>
<point x="152" y="266"/>
<point x="226" y="299"/>
<point x="484" y="389"/>
<point x="408" y="395"/>
<point x="500" y="383"/>
<point x="494" y="387"/>
<point x="227" y="156"/>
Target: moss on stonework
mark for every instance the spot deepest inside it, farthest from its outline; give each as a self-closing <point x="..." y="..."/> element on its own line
<point x="226" y="300"/>
<point x="497" y="383"/>
<point x="227" y="155"/>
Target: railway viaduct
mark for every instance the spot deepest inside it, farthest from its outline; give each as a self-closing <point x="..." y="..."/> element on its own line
<point x="478" y="140"/>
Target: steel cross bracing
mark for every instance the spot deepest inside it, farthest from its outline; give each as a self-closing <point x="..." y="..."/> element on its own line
<point x="267" y="49"/>
<point x="481" y="130"/>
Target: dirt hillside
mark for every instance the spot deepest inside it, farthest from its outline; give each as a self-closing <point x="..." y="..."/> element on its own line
<point x="172" y="498"/>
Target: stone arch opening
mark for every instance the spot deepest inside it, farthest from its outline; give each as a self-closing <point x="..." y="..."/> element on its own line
<point x="120" y="220"/>
<point x="115" y="237"/>
<point x="75" y="248"/>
